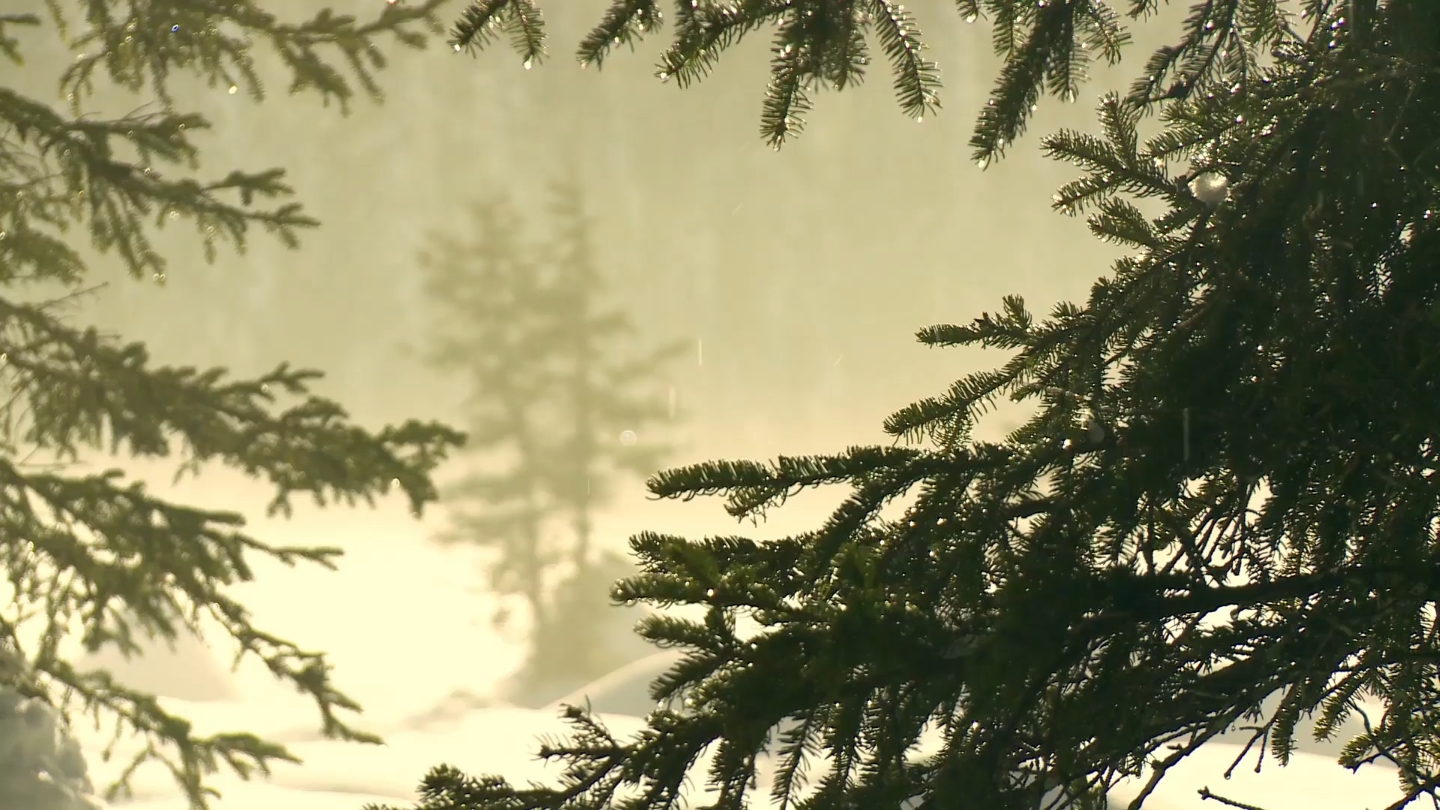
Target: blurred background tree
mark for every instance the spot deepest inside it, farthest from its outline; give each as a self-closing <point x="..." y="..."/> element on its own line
<point x="563" y="404"/>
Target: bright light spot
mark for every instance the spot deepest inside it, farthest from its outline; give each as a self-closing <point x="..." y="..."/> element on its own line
<point x="1210" y="188"/>
<point x="628" y="438"/>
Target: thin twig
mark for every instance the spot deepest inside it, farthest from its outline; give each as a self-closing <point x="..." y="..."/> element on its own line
<point x="1206" y="794"/>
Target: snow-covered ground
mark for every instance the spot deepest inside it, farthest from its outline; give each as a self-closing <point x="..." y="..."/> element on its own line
<point x="500" y="739"/>
<point x="409" y="639"/>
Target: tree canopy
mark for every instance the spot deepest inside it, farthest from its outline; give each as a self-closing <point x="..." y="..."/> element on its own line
<point x="1228" y="487"/>
<point x="93" y="553"/>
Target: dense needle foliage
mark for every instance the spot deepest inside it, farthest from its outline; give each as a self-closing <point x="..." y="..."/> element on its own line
<point x="1229" y="488"/>
<point x="82" y="552"/>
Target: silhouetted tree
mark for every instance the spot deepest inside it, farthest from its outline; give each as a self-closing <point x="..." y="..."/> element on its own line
<point x="559" y="408"/>
<point x="83" y="552"/>
<point x="1227" y="489"/>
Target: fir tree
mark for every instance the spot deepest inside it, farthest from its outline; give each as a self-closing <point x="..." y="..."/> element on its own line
<point x="559" y="409"/>
<point x="83" y="552"/>
<point x="1240" y="422"/>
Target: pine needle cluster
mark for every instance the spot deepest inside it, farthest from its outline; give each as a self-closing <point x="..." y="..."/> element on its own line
<point x="1228" y="488"/>
<point x="93" y="554"/>
<point x="819" y="43"/>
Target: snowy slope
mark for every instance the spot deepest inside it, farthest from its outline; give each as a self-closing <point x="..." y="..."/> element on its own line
<point x="407" y="634"/>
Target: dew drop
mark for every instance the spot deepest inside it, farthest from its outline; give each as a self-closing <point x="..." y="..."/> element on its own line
<point x="628" y="438"/>
<point x="233" y="89"/>
<point x="528" y="64"/>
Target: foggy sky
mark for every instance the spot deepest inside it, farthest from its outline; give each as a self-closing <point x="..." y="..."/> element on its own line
<point x="805" y="272"/>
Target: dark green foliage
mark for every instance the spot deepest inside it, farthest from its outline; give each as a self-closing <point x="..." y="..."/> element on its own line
<point x="819" y="43"/>
<point x="1228" y="488"/>
<point x="823" y="43"/>
<point x="554" y="382"/>
<point x="84" y="552"/>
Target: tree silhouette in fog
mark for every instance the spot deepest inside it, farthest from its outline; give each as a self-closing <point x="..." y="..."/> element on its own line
<point x="91" y="554"/>
<point x="1228" y="489"/>
<point x="563" y="402"/>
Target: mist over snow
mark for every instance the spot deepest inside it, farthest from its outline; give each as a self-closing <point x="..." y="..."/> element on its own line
<point x="407" y="632"/>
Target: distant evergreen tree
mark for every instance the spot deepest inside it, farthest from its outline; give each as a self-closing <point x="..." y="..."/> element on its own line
<point x="85" y="551"/>
<point x="1240" y="423"/>
<point x="559" y="407"/>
